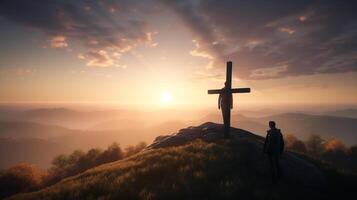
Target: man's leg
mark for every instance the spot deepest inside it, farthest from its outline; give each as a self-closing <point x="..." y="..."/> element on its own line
<point x="278" y="166"/>
<point x="273" y="168"/>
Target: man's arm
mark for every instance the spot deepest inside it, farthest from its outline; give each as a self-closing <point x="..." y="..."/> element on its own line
<point x="282" y="145"/>
<point x="265" y="143"/>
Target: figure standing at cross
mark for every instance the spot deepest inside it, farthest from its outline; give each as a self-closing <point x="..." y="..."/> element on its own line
<point x="225" y="99"/>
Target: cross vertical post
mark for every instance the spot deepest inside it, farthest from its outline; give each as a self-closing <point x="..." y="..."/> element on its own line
<point x="229" y="74"/>
<point x="225" y="100"/>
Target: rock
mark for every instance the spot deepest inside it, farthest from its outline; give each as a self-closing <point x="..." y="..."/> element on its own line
<point x="170" y="141"/>
<point x="160" y="138"/>
<point x="208" y="131"/>
<point x="211" y="136"/>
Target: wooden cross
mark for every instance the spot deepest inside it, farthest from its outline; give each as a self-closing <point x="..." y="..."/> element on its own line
<point x="226" y="100"/>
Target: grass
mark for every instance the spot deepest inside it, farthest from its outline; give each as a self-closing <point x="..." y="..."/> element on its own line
<point x="341" y="183"/>
<point x="199" y="170"/>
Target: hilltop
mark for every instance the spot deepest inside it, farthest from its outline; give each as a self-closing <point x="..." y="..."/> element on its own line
<point x="196" y="163"/>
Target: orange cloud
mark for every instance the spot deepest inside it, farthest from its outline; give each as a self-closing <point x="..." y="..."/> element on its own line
<point x="302" y="18"/>
<point x="271" y="72"/>
<point x="198" y="51"/>
<point x="287" y="30"/>
<point x="58" y="42"/>
<point x="18" y="71"/>
<point x="97" y="58"/>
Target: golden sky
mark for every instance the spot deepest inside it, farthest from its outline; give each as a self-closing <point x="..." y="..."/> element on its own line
<point x="168" y="53"/>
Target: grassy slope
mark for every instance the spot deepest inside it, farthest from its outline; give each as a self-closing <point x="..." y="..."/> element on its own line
<point x="198" y="170"/>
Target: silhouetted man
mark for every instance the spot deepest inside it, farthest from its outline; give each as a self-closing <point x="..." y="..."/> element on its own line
<point x="274" y="147"/>
<point x="225" y="103"/>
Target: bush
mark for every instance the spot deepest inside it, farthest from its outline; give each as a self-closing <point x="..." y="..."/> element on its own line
<point x="333" y="151"/>
<point x="315" y="146"/>
<point x="77" y="162"/>
<point x="131" y="150"/>
<point x="335" y="144"/>
<point x="22" y="177"/>
<point x="294" y="144"/>
<point x="352" y="154"/>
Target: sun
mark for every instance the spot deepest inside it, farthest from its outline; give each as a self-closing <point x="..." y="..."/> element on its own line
<point x="165" y="97"/>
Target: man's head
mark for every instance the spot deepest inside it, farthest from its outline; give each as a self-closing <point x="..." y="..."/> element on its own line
<point x="272" y="124"/>
<point x="225" y="84"/>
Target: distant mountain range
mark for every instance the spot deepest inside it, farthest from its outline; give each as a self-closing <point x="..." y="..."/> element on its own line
<point x="25" y="129"/>
<point x="41" y="151"/>
<point x="352" y="113"/>
<point x="66" y="117"/>
<point x="36" y="136"/>
<point x="301" y="125"/>
<point x="36" y="151"/>
<point x="75" y="119"/>
<point x="39" y="143"/>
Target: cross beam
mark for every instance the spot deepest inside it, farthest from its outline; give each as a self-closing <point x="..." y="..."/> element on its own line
<point x="233" y="90"/>
<point x="225" y="99"/>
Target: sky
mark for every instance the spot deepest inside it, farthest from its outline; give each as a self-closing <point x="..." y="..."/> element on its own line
<point x="168" y="53"/>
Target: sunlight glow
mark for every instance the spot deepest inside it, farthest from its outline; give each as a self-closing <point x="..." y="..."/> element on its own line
<point x="165" y="97"/>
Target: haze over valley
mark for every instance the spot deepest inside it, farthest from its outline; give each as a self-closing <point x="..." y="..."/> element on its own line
<point x="37" y="135"/>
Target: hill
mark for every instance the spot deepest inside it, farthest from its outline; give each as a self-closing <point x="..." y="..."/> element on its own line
<point x="24" y="129"/>
<point x="22" y="141"/>
<point x="196" y="163"/>
<point x="33" y="142"/>
<point x="31" y="150"/>
<point x="67" y="117"/>
<point x="93" y="119"/>
<point x="352" y="113"/>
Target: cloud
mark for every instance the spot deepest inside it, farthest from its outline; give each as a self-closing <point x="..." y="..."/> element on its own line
<point x="17" y="71"/>
<point x="287" y="30"/>
<point x="307" y="37"/>
<point x="198" y="51"/>
<point x="109" y="25"/>
<point x="97" y="58"/>
<point x="271" y="72"/>
<point x="58" y="42"/>
<point x="101" y="58"/>
<point x="206" y="75"/>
